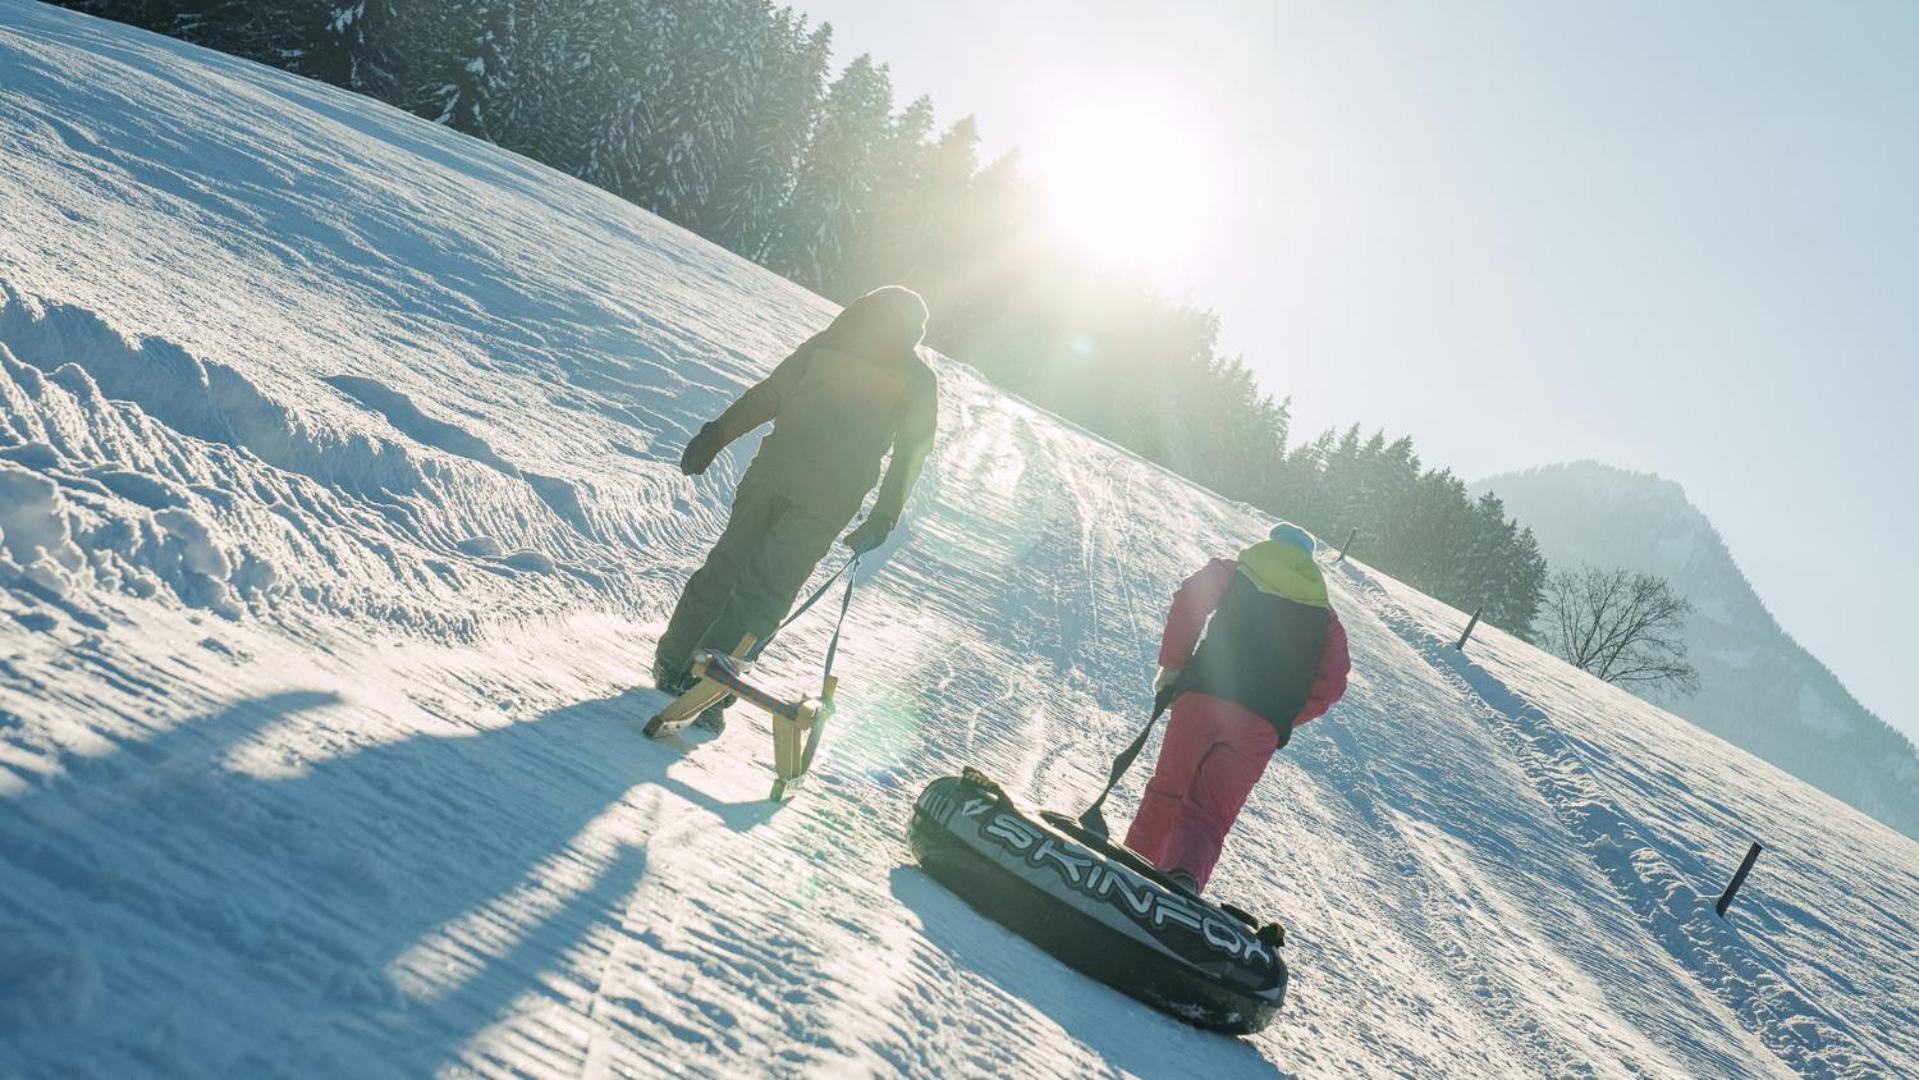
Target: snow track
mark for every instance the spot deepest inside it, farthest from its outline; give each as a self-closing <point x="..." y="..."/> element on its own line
<point x="1672" y="909"/>
<point x="339" y="513"/>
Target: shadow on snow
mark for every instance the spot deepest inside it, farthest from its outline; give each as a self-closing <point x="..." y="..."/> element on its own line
<point x="162" y="908"/>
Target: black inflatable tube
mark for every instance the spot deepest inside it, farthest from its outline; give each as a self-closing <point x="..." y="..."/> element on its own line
<point x="983" y="878"/>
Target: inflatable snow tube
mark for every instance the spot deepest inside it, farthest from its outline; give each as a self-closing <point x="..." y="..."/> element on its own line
<point x="1098" y="907"/>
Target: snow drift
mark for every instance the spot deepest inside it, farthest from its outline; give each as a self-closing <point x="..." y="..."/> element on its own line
<point x="337" y="516"/>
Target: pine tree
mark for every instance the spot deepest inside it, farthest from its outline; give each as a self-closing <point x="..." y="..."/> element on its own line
<point x="717" y="53"/>
<point x="950" y="170"/>
<point x="571" y="71"/>
<point x="836" y="179"/>
<point x="479" y="70"/>
<point x="214" y="24"/>
<point x="985" y="261"/>
<point x="634" y="70"/>
<point x="332" y="40"/>
<point x="755" y="181"/>
<point x="890" y="242"/>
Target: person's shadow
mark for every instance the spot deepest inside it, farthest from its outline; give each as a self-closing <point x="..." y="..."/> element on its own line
<point x="182" y="904"/>
<point x="1128" y="1035"/>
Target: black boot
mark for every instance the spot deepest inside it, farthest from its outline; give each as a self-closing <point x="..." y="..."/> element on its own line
<point x="714" y="718"/>
<point x="674" y="679"/>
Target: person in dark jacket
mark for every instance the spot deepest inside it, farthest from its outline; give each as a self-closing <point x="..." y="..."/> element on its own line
<point x="1273" y="656"/>
<point x="842" y="401"/>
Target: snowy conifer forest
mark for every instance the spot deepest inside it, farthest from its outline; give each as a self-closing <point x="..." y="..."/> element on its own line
<point x="735" y="119"/>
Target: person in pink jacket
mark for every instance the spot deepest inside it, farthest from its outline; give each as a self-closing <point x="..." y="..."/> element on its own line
<point x="1252" y="649"/>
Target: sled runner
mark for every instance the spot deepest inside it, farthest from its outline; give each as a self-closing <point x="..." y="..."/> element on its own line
<point x="703" y="695"/>
<point x="1099" y="907"/>
<point x="796" y="723"/>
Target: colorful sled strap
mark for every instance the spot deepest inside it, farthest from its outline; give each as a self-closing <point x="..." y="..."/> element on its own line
<point x="1093" y="821"/>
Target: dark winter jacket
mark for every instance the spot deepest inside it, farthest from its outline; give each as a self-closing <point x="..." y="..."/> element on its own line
<point x="837" y="405"/>
<point x="1271" y="640"/>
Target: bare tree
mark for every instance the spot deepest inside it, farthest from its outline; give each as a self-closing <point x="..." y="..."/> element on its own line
<point x="1628" y="629"/>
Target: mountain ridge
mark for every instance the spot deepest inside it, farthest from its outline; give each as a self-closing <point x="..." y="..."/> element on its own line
<point x="1761" y="689"/>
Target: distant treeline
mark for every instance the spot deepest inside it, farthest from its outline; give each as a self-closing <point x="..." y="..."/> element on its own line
<point x="725" y="117"/>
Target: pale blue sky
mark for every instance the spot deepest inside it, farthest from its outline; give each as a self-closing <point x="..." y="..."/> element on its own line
<point x="1681" y="238"/>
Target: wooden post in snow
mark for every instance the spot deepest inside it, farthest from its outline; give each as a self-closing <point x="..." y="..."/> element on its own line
<point x="1738" y="879"/>
<point x="1473" y="622"/>
<point x="1343" y="548"/>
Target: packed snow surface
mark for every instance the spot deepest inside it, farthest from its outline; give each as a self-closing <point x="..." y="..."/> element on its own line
<point x="338" y="514"/>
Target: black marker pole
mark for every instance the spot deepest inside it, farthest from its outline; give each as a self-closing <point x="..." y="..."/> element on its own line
<point x="1738" y="879"/>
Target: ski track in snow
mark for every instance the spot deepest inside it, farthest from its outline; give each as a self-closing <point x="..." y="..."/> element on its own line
<point x="338" y="515"/>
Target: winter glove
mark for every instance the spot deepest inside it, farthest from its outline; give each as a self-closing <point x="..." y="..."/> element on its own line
<point x="701" y="450"/>
<point x="1167" y="678"/>
<point x="870" y="533"/>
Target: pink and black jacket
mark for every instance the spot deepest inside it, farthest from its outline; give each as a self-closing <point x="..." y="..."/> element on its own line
<point x="1259" y="631"/>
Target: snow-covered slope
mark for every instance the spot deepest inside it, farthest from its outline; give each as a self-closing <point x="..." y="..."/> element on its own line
<point x="1759" y="688"/>
<point x="339" y="515"/>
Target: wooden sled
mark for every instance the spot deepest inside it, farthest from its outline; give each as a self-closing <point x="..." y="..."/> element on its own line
<point x="796" y="724"/>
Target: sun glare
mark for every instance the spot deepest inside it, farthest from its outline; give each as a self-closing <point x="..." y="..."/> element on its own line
<point x="1129" y="182"/>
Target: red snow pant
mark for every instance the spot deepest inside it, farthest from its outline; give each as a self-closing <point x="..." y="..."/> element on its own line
<point x="1215" y="751"/>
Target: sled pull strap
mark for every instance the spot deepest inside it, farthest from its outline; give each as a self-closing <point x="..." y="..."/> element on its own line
<point x="827" y="680"/>
<point x="1092" y="819"/>
<point x="806" y="605"/>
<point x="817" y="724"/>
<point x="851" y="570"/>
